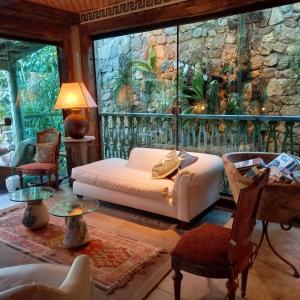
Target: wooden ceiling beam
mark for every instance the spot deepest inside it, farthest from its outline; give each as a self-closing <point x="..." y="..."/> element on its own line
<point x="37" y="13"/>
<point x="19" y="28"/>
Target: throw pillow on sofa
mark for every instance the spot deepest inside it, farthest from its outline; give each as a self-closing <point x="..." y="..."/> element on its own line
<point x="166" y="166"/>
<point x="186" y="159"/>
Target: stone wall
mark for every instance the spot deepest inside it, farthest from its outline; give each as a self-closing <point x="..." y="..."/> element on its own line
<point x="257" y="46"/>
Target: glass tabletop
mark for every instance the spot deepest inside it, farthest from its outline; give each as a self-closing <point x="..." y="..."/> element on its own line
<point x="73" y="207"/>
<point x="32" y="194"/>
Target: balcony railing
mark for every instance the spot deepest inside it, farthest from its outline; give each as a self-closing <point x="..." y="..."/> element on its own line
<point x="216" y="134"/>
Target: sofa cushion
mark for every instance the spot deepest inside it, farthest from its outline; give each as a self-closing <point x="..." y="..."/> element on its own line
<point x="144" y="159"/>
<point x="114" y="174"/>
<point x="167" y="165"/>
<point x="186" y="159"/>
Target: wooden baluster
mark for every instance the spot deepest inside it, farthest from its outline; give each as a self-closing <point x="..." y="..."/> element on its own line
<point x="148" y="134"/>
<point x="114" y="137"/>
<point x="158" y="132"/>
<point x="170" y="131"/>
<point x="202" y="136"/>
<point x="193" y="125"/>
<point x="272" y="136"/>
<point x="122" y="137"/>
<point x="188" y="131"/>
<point x="242" y="138"/>
<point x="130" y="134"/>
<point x="106" y="137"/>
<point x="288" y="136"/>
<point x="257" y="138"/>
<point x="180" y="133"/>
<point x="138" y="138"/>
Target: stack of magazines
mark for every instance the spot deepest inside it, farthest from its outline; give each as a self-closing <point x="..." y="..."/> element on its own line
<point x="284" y="168"/>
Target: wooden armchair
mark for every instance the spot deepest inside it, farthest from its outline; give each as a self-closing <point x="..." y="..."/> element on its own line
<point x="214" y="251"/>
<point x="44" y="168"/>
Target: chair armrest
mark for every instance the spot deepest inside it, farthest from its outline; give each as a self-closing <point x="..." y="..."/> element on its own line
<point x="18" y="292"/>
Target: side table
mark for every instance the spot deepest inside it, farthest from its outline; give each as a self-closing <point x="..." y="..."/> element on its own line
<point x="77" y="152"/>
<point x="72" y="210"/>
<point x="35" y="214"/>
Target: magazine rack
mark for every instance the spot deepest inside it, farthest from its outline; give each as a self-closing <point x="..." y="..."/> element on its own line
<point x="279" y="203"/>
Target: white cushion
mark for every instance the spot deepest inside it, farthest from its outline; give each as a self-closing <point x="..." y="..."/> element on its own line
<point x="45" y="274"/>
<point x="115" y="175"/>
<point x="144" y="159"/>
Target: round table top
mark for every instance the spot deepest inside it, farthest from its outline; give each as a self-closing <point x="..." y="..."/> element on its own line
<point x="32" y="194"/>
<point x="72" y="207"/>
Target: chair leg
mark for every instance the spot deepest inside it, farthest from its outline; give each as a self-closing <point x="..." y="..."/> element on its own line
<point x="21" y="181"/>
<point x="56" y="180"/>
<point x="231" y="288"/>
<point x="244" y="282"/>
<point x="177" y="277"/>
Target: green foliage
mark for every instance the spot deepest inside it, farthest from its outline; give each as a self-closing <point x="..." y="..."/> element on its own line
<point x="232" y="107"/>
<point x="147" y="67"/>
<point x="38" y="81"/>
<point x="200" y="89"/>
<point x="4" y="96"/>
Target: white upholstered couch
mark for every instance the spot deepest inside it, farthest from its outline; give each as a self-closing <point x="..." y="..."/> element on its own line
<point x="130" y="183"/>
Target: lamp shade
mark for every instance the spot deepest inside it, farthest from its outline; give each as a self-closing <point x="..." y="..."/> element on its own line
<point x="74" y="95"/>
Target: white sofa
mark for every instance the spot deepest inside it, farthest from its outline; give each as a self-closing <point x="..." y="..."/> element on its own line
<point x="130" y="183"/>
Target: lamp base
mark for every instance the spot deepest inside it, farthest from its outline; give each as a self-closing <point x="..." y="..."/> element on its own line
<point x="76" y="125"/>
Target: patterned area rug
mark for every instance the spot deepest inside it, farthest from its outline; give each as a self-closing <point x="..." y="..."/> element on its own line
<point x="114" y="259"/>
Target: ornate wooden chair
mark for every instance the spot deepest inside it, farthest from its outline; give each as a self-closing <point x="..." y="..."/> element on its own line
<point x="43" y="168"/>
<point x="214" y="251"/>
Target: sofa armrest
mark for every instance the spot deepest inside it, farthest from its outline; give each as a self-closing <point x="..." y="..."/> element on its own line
<point x="195" y="190"/>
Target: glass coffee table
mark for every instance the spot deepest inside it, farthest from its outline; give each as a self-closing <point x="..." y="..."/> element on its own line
<point x="73" y="210"/>
<point x="35" y="214"/>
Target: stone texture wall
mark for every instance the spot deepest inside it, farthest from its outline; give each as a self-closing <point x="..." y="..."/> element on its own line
<point x="258" y="48"/>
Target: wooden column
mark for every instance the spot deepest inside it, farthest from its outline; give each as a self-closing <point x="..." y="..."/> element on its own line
<point x="89" y="79"/>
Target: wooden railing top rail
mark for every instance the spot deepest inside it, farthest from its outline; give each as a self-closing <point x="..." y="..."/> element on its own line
<point x="32" y="116"/>
<point x="210" y="117"/>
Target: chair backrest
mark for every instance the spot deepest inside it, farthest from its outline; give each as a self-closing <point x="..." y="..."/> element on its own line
<point x="50" y="136"/>
<point x="245" y="218"/>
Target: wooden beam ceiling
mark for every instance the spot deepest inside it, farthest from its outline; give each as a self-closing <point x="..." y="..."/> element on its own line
<point x="75" y="6"/>
<point x="39" y="13"/>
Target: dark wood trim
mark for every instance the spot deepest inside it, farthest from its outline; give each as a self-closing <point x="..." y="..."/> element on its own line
<point x="38" y="12"/>
<point x="180" y="13"/>
<point x="21" y="28"/>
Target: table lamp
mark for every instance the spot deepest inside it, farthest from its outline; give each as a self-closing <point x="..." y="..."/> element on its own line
<point x="75" y="96"/>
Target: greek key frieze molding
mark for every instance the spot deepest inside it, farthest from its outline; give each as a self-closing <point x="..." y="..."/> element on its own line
<point x="123" y="8"/>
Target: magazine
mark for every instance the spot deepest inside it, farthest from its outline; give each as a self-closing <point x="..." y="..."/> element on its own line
<point x="283" y="161"/>
<point x="246" y="164"/>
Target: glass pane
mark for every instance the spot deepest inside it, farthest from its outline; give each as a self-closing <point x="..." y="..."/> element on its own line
<point x="136" y="82"/>
<point x="243" y="65"/>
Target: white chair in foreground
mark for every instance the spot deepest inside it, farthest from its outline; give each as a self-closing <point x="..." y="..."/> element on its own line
<point x="47" y="281"/>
